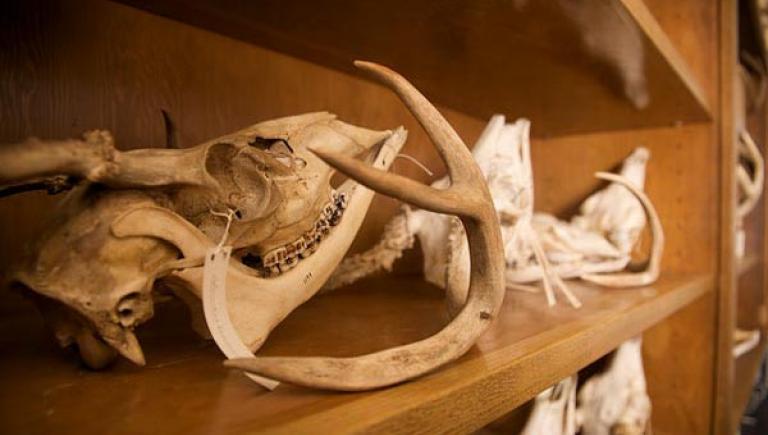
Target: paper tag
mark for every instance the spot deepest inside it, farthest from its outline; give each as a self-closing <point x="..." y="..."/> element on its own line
<point x="217" y="314"/>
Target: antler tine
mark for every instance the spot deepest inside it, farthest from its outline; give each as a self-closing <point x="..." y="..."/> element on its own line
<point x="753" y="187"/>
<point x="448" y="143"/>
<point x="397" y="186"/>
<point x="651" y="274"/>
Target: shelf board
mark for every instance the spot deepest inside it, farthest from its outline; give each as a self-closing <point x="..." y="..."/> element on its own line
<point x="745" y="374"/>
<point x="480" y="57"/>
<point x="185" y="389"/>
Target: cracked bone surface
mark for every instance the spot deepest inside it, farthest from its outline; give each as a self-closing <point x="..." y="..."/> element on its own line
<point x="537" y="246"/>
<point x="467" y="197"/>
<point x="135" y="213"/>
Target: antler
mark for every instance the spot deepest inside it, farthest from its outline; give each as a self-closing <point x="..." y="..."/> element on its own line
<point x="651" y="273"/>
<point x="467" y="197"/>
<point x="752" y="187"/>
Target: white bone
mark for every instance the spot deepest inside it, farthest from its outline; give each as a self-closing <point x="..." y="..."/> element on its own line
<point x="616" y="400"/>
<point x="537" y="247"/>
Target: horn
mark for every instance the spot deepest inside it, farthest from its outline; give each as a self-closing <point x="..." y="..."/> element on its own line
<point x="468" y="198"/>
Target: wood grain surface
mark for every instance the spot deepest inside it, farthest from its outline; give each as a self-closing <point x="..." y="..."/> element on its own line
<point x="185" y="389"/>
<point x="481" y="57"/>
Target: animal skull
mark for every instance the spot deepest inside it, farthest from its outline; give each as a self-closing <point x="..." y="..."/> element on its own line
<point x="554" y="410"/>
<point x="144" y="215"/>
<point x="616" y="401"/>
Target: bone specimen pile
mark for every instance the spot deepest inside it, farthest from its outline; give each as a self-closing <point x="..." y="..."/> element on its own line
<point x="750" y="165"/>
<point x="614" y="400"/>
<point x="537" y="247"/>
<point x="134" y="219"/>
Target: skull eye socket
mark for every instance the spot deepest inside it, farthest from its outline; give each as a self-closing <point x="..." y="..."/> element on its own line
<point x="280" y="149"/>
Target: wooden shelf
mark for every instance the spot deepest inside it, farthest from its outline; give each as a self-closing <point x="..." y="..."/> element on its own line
<point x="184" y="387"/>
<point x="745" y="374"/>
<point x="480" y="57"/>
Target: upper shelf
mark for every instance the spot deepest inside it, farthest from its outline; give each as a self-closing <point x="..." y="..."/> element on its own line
<point x="553" y="63"/>
<point x="185" y="389"/>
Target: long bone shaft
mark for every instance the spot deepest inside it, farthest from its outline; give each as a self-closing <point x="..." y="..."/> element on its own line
<point x="469" y="198"/>
<point x="96" y="159"/>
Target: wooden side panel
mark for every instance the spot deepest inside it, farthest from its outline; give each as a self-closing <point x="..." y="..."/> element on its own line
<point x="728" y="58"/>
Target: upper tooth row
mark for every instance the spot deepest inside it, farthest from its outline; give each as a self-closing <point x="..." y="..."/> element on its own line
<point x="285" y="258"/>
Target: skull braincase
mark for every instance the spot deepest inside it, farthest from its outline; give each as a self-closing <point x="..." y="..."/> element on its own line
<point x="265" y="174"/>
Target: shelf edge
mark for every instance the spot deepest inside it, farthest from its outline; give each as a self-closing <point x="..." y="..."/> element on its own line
<point x="647" y="23"/>
<point x="450" y="393"/>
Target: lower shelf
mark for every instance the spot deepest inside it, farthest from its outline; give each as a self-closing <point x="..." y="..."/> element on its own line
<point x="184" y="387"/>
<point x="745" y="374"/>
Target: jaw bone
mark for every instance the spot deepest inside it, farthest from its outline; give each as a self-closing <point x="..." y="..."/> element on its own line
<point x="467" y="197"/>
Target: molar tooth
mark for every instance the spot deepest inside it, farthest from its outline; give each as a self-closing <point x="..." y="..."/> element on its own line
<point x="309" y="250"/>
<point x="299" y="245"/>
<point x="322" y="226"/>
<point x="342" y="201"/>
<point x="328" y="211"/>
<point x="290" y="250"/>
<point x="269" y="259"/>
<point x="288" y="264"/>
<point x="335" y="219"/>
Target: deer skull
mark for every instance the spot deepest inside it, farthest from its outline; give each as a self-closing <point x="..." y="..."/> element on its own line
<point x="143" y="215"/>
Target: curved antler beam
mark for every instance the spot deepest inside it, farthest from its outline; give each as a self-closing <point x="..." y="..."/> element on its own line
<point x="469" y="198"/>
<point x="652" y="271"/>
<point x="752" y="187"/>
